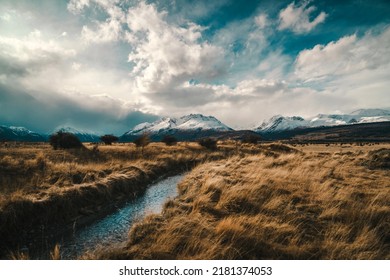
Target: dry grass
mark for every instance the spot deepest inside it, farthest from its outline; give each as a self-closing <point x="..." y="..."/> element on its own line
<point x="311" y="202"/>
<point x="40" y="186"/>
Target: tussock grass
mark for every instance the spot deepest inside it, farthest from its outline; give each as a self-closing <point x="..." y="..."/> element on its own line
<point x="379" y="159"/>
<point x="307" y="202"/>
<point x="40" y="186"/>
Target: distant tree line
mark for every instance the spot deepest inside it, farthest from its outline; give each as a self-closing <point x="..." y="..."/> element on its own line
<point x="66" y="140"/>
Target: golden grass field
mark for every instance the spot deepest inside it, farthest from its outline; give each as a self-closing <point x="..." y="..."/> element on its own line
<point x="42" y="187"/>
<point x="243" y="201"/>
<point x="318" y="202"/>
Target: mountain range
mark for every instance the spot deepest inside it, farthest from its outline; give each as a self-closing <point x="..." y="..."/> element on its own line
<point x="280" y="123"/>
<point x="195" y="126"/>
<point x="188" y="127"/>
<point x="16" y="133"/>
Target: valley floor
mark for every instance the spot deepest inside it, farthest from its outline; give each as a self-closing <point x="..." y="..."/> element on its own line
<point x="307" y="202"/>
<point x="53" y="190"/>
<point x="242" y="201"/>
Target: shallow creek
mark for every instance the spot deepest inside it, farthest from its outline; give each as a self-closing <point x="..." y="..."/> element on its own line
<point x="114" y="227"/>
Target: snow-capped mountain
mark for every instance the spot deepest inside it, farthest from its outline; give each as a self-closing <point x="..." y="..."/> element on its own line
<point x="193" y="124"/>
<point x="84" y="136"/>
<point x="160" y="125"/>
<point x="188" y="122"/>
<point x="200" y="122"/>
<point x="281" y="123"/>
<point x="371" y="112"/>
<point x="18" y="133"/>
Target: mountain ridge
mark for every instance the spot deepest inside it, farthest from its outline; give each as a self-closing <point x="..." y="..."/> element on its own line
<point x="187" y="127"/>
<point x="194" y="126"/>
<point x="282" y="123"/>
<point x="19" y="133"/>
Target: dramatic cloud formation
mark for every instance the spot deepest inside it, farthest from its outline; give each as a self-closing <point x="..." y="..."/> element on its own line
<point x="297" y="18"/>
<point x="346" y="56"/>
<point x="166" y="55"/>
<point x="106" y="65"/>
<point x="351" y="66"/>
<point x="29" y="54"/>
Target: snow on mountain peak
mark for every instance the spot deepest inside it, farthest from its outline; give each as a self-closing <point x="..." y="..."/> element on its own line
<point x="280" y="123"/>
<point x="18" y="133"/>
<point x="21" y="129"/>
<point x="201" y="122"/>
<point x="371" y="112"/>
<point x="186" y="123"/>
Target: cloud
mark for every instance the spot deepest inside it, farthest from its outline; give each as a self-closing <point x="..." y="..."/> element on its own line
<point x="246" y="44"/>
<point x="346" y="56"/>
<point x="259" y="87"/>
<point x="192" y="10"/>
<point x="76" y="6"/>
<point x="166" y="55"/>
<point x="353" y="68"/>
<point x="95" y="113"/>
<point x="163" y="54"/>
<point x="43" y="85"/>
<point x="251" y="101"/>
<point x="297" y="18"/>
<point x="108" y="31"/>
<point x="110" y="63"/>
<point x="31" y="53"/>
<point x="195" y="96"/>
<point x="174" y="67"/>
<point x="5" y="17"/>
<point x="261" y="20"/>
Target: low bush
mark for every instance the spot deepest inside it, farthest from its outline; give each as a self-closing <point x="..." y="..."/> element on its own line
<point x="251" y="139"/>
<point x="169" y="140"/>
<point x="64" y="140"/>
<point x="208" y="143"/>
<point x="108" y="139"/>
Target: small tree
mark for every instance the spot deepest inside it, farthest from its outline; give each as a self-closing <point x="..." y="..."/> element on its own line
<point x="64" y="140"/>
<point x="142" y="142"/>
<point x="208" y="143"/>
<point x="169" y="140"/>
<point x="108" y="139"/>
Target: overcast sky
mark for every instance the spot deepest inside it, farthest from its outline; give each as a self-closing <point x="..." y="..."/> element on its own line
<point x="107" y="65"/>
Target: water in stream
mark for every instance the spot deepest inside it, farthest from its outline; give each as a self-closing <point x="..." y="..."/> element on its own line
<point x="115" y="227"/>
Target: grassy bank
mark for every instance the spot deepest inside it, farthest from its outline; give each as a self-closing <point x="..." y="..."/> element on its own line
<point x="42" y="188"/>
<point x="308" y="202"/>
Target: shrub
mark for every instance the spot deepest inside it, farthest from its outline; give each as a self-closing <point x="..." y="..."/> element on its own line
<point x="251" y="139"/>
<point x="64" y="140"/>
<point x="108" y="139"/>
<point x="169" y="140"/>
<point x="142" y="142"/>
<point x="208" y="143"/>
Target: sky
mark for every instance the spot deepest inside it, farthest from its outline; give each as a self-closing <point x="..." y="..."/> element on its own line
<point x="108" y="65"/>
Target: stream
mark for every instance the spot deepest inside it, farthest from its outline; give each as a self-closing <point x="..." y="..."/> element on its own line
<point x="114" y="227"/>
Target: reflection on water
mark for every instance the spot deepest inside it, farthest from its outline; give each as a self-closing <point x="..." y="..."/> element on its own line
<point x="115" y="227"/>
